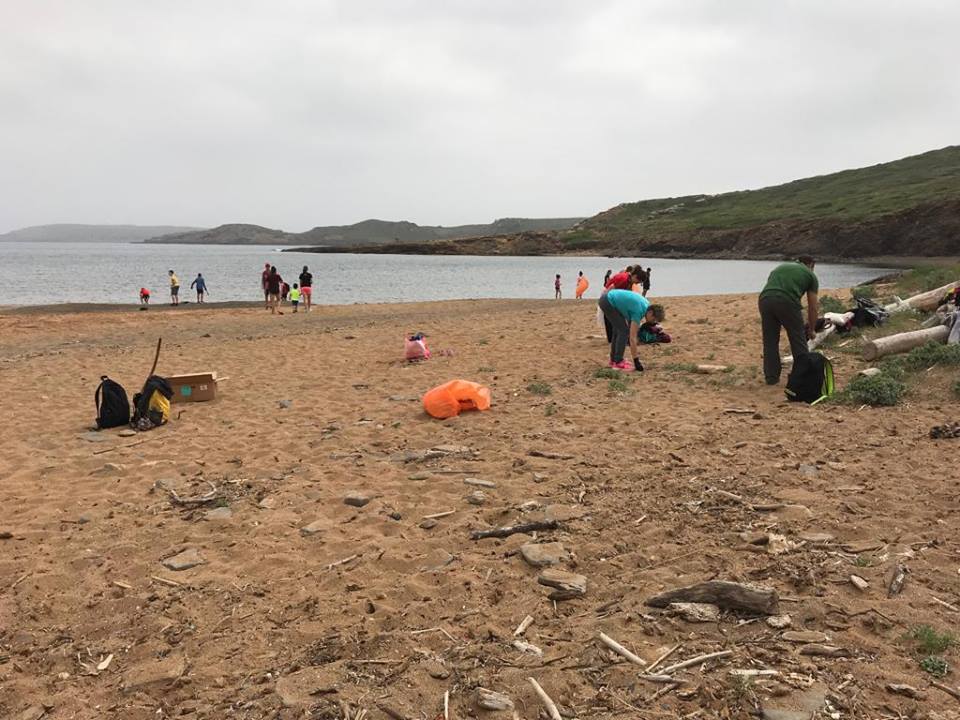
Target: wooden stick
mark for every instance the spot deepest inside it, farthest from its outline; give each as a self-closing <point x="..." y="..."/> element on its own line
<point x="437" y="516"/>
<point x="947" y="605"/>
<point x="946" y="688"/>
<point x="156" y="357"/>
<point x="509" y="530"/>
<point x="545" y="699"/>
<point x="924" y="301"/>
<point x="621" y="650"/>
<point x="165" y="581"/>
<point x="902" y="342"/>
<point x="332" y="565"/>
<point x="446" y="705"/>
<point x="663" y="657"/>
<point x="433" y="629"/>
<point x="128" y="445"/>
<point x="696" y="661"/>
<point x="524" y="624"/>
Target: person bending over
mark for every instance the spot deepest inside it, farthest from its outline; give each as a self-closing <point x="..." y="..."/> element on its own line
<point x="626" y="311"/>
<point x="780" y="307"/>
<point x="201" y="286"/>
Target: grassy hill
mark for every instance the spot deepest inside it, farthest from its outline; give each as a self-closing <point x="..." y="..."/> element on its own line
<point x="831" y="204"/>
<point x="91" y="233"/>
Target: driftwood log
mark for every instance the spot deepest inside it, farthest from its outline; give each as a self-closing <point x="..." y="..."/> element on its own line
<point x="815" y="343"/>
<point x="926" y="302"/>
<point x="509" y="530"/>
<point x="728" y="595"/>
<point x="903" y="342"/>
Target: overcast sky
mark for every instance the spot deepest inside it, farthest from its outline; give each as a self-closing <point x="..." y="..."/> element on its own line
<point x="293" y="113"/>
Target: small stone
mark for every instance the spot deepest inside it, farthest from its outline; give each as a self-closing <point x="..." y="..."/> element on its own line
<point x="905" y="690"/>
<point x="428" y="524"/>
<point x="490" y="700"/>
<point x="127" y="433"/>
<point x="109" y="469"/>
<point x="150" y="673"/>
<point x="695" y="612"/>
<point x="184" y="561"/>
<point x="5" y="534"/>
<point x="544" y="554"/>
<point x="477" y="497"/>
<point x="419" y="476"/>
<point x="529" y="506"/>
<point x="94" y="436"/>
<point x="268" y="503"/>
<point x="437" y="671"/>
<point x="805" y="636"/>
<point x="778" y="622"/>
<point x="817" y="538"/>
<point x="356" y="499"/>
<point x="778" y="544"/>
<point x="220" y="513"/>
<point x="539" y="477"/>
<point x="808" y="470"/>
<point x="313" y="528"/>
<point x="83" y="519"/>
<point x="63" y="676"/>
<point x="479" y="482"/>
<point x="395" y="515"/>
<point x="859" y="583"/>
<point x="566" y="585"/>
<point x="285" y="404"/>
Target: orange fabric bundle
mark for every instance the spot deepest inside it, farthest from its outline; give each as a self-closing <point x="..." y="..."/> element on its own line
<point x="582" y="285"/>
<point x="452" y="398"/>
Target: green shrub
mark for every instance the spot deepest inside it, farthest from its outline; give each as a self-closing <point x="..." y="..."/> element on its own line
<point x="956" y="388"/>
<point x="606" y="373"/>
<point x="618" y="386"/>
<point x="879" y="390"/>
<point x="926" y="356"/>
<point x="926" y="278"/>
<point x="930" y="641"/>
<point x="680" y="367"/>
<point x="550" y="409"/>
<point x="828" y="303"/>
<point x="540" y="388"/>
<point x="935" y="666"/>
<point x="868" y="292"/>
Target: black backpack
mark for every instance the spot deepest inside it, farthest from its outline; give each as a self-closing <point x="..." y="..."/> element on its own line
<point x="113" y="408"/>
<point x="811" y="379"/>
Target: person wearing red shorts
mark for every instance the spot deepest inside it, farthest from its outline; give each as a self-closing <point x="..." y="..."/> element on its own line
<point x="306" y="288"/>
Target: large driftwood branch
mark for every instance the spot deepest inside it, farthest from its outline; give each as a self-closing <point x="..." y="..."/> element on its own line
<point x="729" y="595"/>
<point x="903" y="342"/>
<point x="926" y="301"/>
<point x="813" y="344"/>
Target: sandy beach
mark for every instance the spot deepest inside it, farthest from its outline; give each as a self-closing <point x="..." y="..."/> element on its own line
<point x="307" y="607"/>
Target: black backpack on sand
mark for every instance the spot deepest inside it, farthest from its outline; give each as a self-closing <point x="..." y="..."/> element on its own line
<point x="811" y="379"/>
<point x="113" y="408"/>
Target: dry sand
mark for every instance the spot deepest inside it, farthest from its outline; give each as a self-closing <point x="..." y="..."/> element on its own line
<point x="371" y="610"/>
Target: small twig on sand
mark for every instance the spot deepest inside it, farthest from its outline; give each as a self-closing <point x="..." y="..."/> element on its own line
<point x="437" y="516"/>
<point x="509" y="530"/>
<point x="446" y="705"/>
<point x="545" y="699"/>
<point x="200" y="500"/>
<point x="433" y="629"/>
<point x="128" y="445"/>
<point x="524" y="624"/>
<point x="166" y="581"/>
<point x="621" y="650"/>
<point x="663" y="657"/>
<point x="332" y="565"/>
<point x="696" y="661"/>
<point x="663" y="691"/>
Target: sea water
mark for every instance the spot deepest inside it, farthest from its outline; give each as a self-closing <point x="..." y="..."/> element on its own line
<point x="48" y="273"/>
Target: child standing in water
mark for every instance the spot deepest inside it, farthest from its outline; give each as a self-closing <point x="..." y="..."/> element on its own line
<point x="201" y="285"/>
<point x="295" y="296"/>
<point x="556" y="287"/>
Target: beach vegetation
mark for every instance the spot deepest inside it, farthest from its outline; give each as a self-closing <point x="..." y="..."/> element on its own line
<point x="828" y="303"/>
<point x="935" y="665"/>
<point x="883" y="390"/>
<point x="867" y="292"/>
<point x="606" y="373"/>
<point x="930" y="641"/>
<point x="927" y="277"/>
<point x="619" y="386"/>
<point x="540" y="388"/>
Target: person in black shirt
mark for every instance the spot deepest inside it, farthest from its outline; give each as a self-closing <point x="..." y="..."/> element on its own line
<point x="306" y="288"/>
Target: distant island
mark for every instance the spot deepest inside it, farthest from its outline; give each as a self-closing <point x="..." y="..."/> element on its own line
<point x="75" y="233"/>
<point x="368" y="232"/>
<point x="904" y="208"/>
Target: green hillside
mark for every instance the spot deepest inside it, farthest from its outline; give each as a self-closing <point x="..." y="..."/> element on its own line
<point x="848" y="196"/>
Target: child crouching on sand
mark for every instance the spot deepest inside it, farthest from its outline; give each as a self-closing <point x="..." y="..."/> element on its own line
<point x="295" y="296"/>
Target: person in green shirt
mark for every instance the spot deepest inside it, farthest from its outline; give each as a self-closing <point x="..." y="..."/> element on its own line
<point x="780" y="308"/>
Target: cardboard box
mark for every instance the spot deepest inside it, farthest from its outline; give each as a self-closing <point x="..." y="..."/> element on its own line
<point x="195" y="387"/>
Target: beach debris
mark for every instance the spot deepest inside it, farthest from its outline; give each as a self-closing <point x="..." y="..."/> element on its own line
<point x="903" y="342"/>
<point x="218" y="514"/>
<point x="779" y="544"/>
<point x="525" y="647"/>
<point x="5" y="535"/>
<point x="859" y="583"/>
<point x="105" y="663"/>
<point x="810" y="471"/>
<point x="428" y="524"/>
<point x="176" y="499"/>
<point x="509" y="530"/>
<point x="694" y="612"/>
<point x="805" y="636"/>
<point x="817" y="538"/>
<point x="905" y="690"/>
<point x="724" y="594"/>
<point x="491" y="700"/>
<point x="477" y="497"/>
<point x="356" y="499"/>
<point x="268" y="503"/>
<point x="821" y="650"/>
<point x="345" y="560"/>
<point x="946" y="688"/>
<point x="543" y="554"/>
<point x="945" y="431"/>
<point x="185" y="560"/>
<point x="522" y="627"/>
<point x="285" y="404"/>
<point x="548" y="703"/>
<point x="477" y="482"/>
<point x="550" y="455"/>
<point x="166" y="581"/>
<point x="438" y="515"/>
<point x="778" y="622"/>
<point x="896" y="579"/>
<point x="698" y="660"/>
<point x="712" y="369"/>
<point x="567" y="585"/>
<point x="313" y="528"/>
<point x="622" y="651"/>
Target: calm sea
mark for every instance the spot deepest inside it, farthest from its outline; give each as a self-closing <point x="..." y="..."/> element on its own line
<point x="44" y="273"/>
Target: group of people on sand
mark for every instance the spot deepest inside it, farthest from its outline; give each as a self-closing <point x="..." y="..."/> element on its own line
<point x="199" y="284"/>
<point x="276" y="290"/>
<point x="642" y="285"/>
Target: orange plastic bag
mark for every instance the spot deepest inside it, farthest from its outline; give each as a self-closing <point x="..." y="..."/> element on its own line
<point x="582" y="285"/>
<point x="452" y="398"/>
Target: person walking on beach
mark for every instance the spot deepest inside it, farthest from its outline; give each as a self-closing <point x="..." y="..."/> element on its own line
<point x="306" y="288"/>
<point x="174" y="288"/>
<point x="582" y="285"/>
<point x="556" y="288"/>
<point x="274" y="281"/>
<point x="627" y="311"/>
<point x="606" y="278"/>
<point x="645" y="281"/>
<point x="295" y="296"/>
<point x="201" y="285"/>
<point x="780" y="307"/>
<point x="264" y="278"/>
